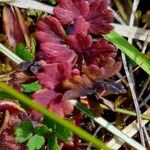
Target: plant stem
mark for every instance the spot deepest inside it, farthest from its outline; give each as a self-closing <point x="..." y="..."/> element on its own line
<point x="127" y="112"/>
<point x="121" y="10"/>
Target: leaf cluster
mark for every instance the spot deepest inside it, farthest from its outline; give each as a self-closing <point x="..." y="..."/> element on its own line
<point x="35" y="136"/>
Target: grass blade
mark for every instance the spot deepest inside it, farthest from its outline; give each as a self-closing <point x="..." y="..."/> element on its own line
<point x="121" y="43"/>
<point x="77" y="130"/>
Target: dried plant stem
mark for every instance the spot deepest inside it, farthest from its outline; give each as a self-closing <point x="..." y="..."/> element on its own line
<point x="130" y="76"/>
<point x="130" y="130"/>
<point x="5" y="1"/>
<point x="135" y="4"/>
<point x="122" y="78"/>
<point x="147" y="136"/>
<point x="146" y="42"/>
<point x="30" y="4"/>
<point x="121" y="10"/>
<point x="10" y="54"/>
<point x="145" y="101"/>
<point x="101" y="121"/>
<point x="144" y="88"/>
<point x="117" y="16"/>
<point x="133" y="32"/>
<point x="132" y="17"/>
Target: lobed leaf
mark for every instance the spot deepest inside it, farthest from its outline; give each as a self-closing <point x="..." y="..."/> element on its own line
<point x="42" y="130"/>
<point x="23" y="132"/>
<point x="35" y="142"/>
<point x="61" y="132"/>
<point x="23" y="52"/>
<point x="31" y="87"/>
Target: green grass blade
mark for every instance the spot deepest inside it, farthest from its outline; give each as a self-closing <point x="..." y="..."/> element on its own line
<point x="125" y="112"/>
<point x="77" y="130"/>
<point x="121" y="43"/>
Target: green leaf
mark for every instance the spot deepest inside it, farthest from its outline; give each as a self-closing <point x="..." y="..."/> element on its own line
<point x="31" y="87"/>
<point x="23" y="131"/>
<point x="62" y="133"/>
<point x="41" y="130"/>
<point x="53" y="2"/>
<point x="35" y="142"/>
<point x="49" y="123"/>
<point x="131" y="62"/>
<point x="23" y="52"/>
<point x="52" y="142"/>
<point x="129" y="50"/>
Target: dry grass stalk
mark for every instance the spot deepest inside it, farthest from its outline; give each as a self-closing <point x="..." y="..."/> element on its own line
<point x="130" y="130"/>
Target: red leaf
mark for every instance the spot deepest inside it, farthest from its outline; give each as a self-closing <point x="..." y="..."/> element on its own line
<point x="68" y="10"/>
<point x="100" y="17"/>
<point x="53" y="101"/>
<point x="55" y="53"/>
<point x="49" y="29"/>
<point x="80" y="43"/>
<point x="53" y="74"/>
<point x="95" y="12"/>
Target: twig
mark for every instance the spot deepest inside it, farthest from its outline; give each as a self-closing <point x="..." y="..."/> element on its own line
<point x="122" y="78"/>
